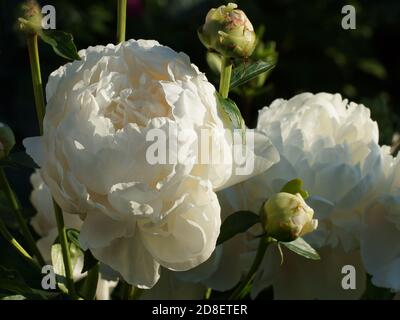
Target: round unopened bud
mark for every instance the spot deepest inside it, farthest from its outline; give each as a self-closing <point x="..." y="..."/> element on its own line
<point x="7" y="140"/>
<point x="228" y="31"/>
<point x="31" y="17"/>
<point x="286" y="217"/>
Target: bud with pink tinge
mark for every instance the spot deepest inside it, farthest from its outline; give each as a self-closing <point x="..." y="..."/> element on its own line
<point x="228" y="31"/>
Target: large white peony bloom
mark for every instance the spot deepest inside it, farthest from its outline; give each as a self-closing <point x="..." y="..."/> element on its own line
<point x="44" y="223"/>
<point x="103" y="115"/>
<point x="332" y="145"/>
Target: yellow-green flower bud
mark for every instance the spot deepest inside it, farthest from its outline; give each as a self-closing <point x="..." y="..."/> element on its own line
<point x="228" y="31"/>
<point x="286" y="217"/>
<point x="31" y="19"/>
<point x="7" y="140"/>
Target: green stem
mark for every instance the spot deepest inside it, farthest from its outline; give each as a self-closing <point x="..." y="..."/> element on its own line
<point x="136" y="293"/>
<point x="207" y="294"/>
<point x="262" y="248"/>
<point x="121" y="22"/>
<point x="36" y="78"/>
<point x="40" y="111"/>
<point x="10" y="195"/>
<point x="14" y="243"/>
<point x="225" y="79"/>
<point x="130" y="292"/>
<point x="62" y="234"/>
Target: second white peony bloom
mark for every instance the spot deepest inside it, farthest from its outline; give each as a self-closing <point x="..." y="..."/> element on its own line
<point x="332" y="146"/>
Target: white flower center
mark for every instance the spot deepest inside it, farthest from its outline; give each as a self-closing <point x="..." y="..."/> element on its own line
<point x="133" y="101"/>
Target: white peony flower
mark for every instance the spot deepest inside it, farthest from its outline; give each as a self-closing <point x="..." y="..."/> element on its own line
<point x="332" y="145"/>
<point x="44" y="223"/>
<point x="380" y="236"/>
<point x="102" y="116"/>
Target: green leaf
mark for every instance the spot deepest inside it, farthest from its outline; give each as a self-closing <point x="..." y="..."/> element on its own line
<point x="73" y="236"/>
<point x="231" y="110"/>
<point x="58" y="265"/>
<point x="373" y="67"/>
<point x="12" y="281"/>
<point x="245" y="72"/>
<point x="18" y="160"/>
<point x="295" y="186"/>
<point x="280" y="253"/>
<point x="62" y="43"/>
<point x="237" y="222"/>
<point x="302" y="248"/>
<point x="14" y="297"/>
<point x="58" y="261"/>
<point x="89" y="287"/>
<point x="89" y="261"/>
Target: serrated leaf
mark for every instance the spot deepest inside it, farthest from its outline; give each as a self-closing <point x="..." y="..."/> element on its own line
<point x="62" y="43"/>
<point x="236" y="223"/>
<point x="231" y="110"/>
<point x="89" y="261"/>
<point x="245" y="72"/>
<point x="302" y="248"/>
<point x="295" y="186"/>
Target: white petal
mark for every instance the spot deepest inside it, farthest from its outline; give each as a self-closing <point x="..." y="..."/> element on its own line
<point x="129" y="257"/>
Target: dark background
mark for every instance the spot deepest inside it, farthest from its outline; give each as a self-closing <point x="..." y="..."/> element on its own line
<point x="315" y="53"/>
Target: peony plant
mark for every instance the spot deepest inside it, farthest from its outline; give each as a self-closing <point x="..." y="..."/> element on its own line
<point x="148" y="184"/>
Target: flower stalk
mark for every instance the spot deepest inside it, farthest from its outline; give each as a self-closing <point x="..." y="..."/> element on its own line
<point x="207" y="294"/>
<point x="18" y="248"/>
<point x="130" y="292"/>
<point x="225" y="79"/>
<point x="121" y="20"/>
<point x="5" y="186"/>
<point x="32" y="41"/>
<point x="240" y="291"/>
<point x="62" y="234"/>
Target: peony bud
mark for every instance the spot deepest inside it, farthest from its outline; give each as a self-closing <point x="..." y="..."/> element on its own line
<point x="286" y="217"/>
<point x="7" y="140"/>
<point x="228" y="31"/>
<point x="31" y="20"/>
